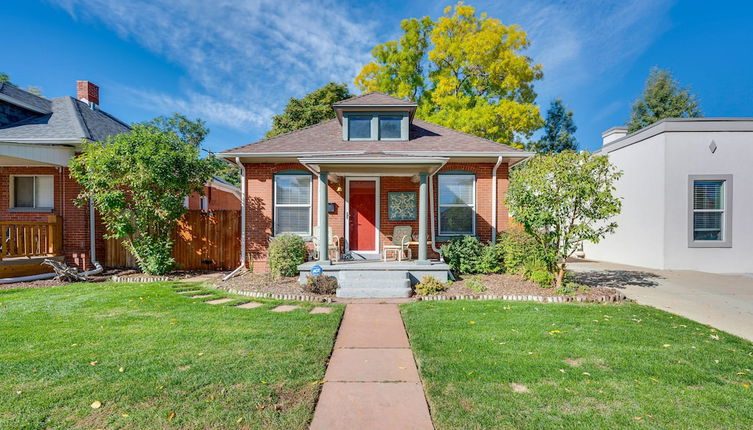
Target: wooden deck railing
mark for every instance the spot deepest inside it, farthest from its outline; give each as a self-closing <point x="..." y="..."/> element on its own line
<point x="31" y="239"/>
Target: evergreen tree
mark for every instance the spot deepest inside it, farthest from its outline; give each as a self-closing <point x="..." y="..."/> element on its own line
<point x="559" y="130"/>
<point x="662" y="98"/>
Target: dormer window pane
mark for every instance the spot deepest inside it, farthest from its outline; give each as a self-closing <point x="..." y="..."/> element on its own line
<point x="359" y="127"/>
<point x="390" y="127"/>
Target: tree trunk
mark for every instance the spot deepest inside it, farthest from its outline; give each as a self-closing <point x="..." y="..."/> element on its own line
<point x="560" y="277"/>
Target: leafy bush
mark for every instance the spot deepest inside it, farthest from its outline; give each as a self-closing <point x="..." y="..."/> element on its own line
<point x="475" y="284"/>
<point x="570" y="288"/>
<point x="286" y="253"/>
<point x="517" y="247"/>
<point x="321" y="284"/>
<point x="430" y="285"/>
<point x="491" y="259"/>
<point x="467" y="255"/>
<point x="154" y="255"/>
<point x="535" y="270"/>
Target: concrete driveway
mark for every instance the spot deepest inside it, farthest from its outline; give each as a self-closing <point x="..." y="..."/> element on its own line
<point x="721" y="301"/>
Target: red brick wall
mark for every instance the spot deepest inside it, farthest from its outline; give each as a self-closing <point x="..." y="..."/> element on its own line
<point x="259" y="204"/>
<point x="218" y="200"/>
<point x="75" y="220"/>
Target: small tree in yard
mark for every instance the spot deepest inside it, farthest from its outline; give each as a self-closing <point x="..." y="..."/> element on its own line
<point x="138" y="182"/>
<point x="562" y="200"/>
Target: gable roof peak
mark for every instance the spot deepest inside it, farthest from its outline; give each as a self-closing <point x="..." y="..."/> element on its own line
<point x="374" y="98"/>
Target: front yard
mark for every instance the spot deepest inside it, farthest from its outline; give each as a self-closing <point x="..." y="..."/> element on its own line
<point x="143" y="356"/>
<point x="498" y="364"/>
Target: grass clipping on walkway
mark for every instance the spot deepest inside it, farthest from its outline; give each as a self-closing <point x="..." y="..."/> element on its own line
<point x="498" y="364"/>
<point x="142" y="356"/>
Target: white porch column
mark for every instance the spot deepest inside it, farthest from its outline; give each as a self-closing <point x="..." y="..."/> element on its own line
<point x="322" y="219"/>
<point x="422" y="215"/>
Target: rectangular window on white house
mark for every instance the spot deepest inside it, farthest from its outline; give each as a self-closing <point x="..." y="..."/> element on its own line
<point x="710" y="215"/>
<point x="33" y="192"/>
<point x="457" y="205"/>
<point x="292" y="204"/>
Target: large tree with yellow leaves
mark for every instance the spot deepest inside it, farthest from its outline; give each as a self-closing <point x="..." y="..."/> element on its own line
<point x="466" y="71"/>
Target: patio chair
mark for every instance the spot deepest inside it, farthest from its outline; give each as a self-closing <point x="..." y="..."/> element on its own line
<point x="333" y="246"/>
<point x="399" y="239"/>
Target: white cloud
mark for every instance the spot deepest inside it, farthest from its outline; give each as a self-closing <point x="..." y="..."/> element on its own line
<point x="243" y="58"/>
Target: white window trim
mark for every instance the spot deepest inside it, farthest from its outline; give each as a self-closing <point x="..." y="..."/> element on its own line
<point x="12" y="189"/>
<point x="377" y="209"/>
<point x="726" y="241"/>
<point x="203" y="203"/>
<point x="440" y="205"/>
<point x="275" y="205"/>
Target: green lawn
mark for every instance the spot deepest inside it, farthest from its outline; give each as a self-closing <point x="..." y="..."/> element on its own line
<point x="156" y="359"/>
<point x="497" y="364"/>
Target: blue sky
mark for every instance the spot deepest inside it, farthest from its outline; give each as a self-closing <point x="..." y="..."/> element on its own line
<point x="235" y="63"/>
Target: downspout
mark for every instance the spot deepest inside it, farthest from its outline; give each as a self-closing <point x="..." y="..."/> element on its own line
<point x="243" y="219"/>
<point x="494" y="199"/>
<point x="92" y="245"/>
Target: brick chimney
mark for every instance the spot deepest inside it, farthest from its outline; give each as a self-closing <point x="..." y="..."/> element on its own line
<point x="87" y="92"/>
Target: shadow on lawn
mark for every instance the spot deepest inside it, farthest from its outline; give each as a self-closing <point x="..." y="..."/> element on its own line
<point x="616" y="278"/>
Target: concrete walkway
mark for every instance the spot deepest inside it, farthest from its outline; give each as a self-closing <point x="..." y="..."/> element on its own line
<point x="372" y="381"/>
<point x="721" y="301"/>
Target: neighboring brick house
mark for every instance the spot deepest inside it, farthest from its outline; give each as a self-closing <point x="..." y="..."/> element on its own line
<point x="38" y="137"/>
<point x="380" y="166"/>
<point x="218" y="195"/>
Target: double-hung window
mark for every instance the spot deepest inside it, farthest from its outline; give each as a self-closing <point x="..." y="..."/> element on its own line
<point x="457" y="205"/>
<point x="292" y="204"/>
<point x="710" y="211"/>
<point x="33" y="192"/>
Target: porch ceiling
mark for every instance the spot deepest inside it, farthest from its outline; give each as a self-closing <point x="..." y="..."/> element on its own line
<point x="376" y="166"/>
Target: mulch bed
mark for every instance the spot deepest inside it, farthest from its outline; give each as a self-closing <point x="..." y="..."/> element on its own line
<point x="104" y="276"/>
<point x="514" y="285"/>
<point x="263" y="283"/>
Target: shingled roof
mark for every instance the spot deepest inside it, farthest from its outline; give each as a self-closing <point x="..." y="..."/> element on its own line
<point x="62" y="119"/>
<point x="374" y="99"/>
<point x="326" y="137"/>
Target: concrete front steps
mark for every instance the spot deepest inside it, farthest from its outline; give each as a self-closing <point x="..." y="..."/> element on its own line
<point x="360" y="284"/>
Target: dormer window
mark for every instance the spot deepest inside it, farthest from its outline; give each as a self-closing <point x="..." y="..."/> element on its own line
<point x="375" y="126"/>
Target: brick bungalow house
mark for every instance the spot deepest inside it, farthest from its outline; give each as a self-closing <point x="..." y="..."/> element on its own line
<point x="38" y="137"/>
<point x="218" y="195"/>
<point x="373" y="168"/>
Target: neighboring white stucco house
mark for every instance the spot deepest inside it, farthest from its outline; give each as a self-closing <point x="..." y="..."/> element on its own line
<point x="687" y="194"/>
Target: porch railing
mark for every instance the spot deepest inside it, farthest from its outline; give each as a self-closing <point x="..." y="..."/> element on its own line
<point x="31" y="238"/>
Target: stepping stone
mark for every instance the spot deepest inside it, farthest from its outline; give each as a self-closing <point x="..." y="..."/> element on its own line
<point x="321" y="310"/>
<point x="285" y="308"/>
<point x="219" y="301"/>
<point x="250" y="305"/>
<point x="189" y="292"/>
<point x="201" y="296"/>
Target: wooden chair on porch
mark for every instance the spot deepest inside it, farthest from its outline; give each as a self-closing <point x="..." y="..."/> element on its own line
<point x="333" y="245"/>
<point x="401" y="235"/>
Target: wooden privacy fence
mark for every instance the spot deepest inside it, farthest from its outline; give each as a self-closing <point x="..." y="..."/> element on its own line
<point x="203" y="241"/>
<point x="31" y="239"/>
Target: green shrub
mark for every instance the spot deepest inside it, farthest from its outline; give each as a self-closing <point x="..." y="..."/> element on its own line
<point x="430" y="285"/>
<point x="517" y="247"/>
<point x="474" y="284"/>
<point x="535" y="270"/>
<point x="491" y="259"/>
<point x="286" y="253"/>
<point x="321" y="284"/>
<point x="570" y="288"/>
<point x="467" y="255"/>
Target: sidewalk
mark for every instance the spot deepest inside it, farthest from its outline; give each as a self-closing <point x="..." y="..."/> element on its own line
<point x="372" y="381"/>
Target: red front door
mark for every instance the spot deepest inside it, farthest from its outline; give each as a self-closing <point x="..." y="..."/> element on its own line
<point x="362" y="216"/>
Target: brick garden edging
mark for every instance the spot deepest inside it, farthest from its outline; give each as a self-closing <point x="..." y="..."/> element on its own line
<point x="141" y="278"/>
<point x="554" y="299"/>
<point x="298" y="297"/>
